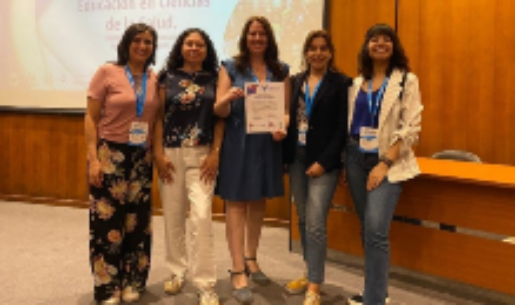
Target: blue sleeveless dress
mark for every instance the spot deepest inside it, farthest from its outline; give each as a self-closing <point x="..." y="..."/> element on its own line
<point x="250" y="165"/>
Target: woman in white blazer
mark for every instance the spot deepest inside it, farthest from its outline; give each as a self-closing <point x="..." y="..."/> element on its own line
<point x="384" y="123"/>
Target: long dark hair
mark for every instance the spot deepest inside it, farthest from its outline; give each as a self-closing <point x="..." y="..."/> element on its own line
<point x="242" y="60"/>
<point x="309" y="39"/>
<point x="176" y="61"/>
<point x="128" y="37"/>
<point x="399" y="60"/>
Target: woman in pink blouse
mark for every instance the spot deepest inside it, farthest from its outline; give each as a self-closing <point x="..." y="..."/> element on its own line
<point x="119" y="123"/>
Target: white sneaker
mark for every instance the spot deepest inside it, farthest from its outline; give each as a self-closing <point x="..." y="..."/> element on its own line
<point x="174" y="284"/>
<point x="355" y="300"/>
<point x="111" y="301"/>
<point x="208" y="297"/>
<point x="358" y="300"/>
<point x="130" y="295"/>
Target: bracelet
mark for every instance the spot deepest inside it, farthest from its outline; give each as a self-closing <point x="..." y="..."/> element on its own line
<point x="386" y="160"/>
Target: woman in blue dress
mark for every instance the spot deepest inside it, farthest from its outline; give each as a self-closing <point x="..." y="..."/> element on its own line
<point x="250" y="164"/>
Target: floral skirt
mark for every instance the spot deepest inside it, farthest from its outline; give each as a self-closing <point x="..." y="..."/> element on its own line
<point x="120" y="219"/>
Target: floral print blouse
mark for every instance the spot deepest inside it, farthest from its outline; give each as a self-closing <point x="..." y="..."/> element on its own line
<point x="189" y="116"/>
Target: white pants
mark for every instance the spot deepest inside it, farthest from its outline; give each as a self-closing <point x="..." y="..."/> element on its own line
<point x="188" y="190"/>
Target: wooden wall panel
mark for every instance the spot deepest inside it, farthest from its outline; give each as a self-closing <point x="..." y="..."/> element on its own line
<point x="472" y="206"/>
<point x="4" y="153"/>
<point x="479" y="207"/>
<point x="502" y="99"/>
<point x="44" y="157"/>
<point x="348" y="22"/>
<point x="15" y="153"/>
<point x="462" y="53"/>
<point x="45" y="161"/>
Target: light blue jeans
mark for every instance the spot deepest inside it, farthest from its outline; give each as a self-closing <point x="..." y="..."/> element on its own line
<point x="312" y="197"/>
<point x="375" y="211"/>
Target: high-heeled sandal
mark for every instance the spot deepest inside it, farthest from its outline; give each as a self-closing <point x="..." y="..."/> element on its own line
<point x="257" y="277"/>
<point x="243" y="294"/>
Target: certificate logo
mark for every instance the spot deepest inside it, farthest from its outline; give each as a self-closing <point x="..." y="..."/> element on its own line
<point x="252" y="89"/>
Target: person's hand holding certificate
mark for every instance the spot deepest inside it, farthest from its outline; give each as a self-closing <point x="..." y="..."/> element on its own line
<point x="264" y="107"/>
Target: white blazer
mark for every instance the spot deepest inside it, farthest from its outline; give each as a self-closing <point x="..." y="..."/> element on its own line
<point x="398" y="120"/>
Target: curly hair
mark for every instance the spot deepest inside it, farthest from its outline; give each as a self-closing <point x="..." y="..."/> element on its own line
<point x="399" y="60"/>
<point x="176" y="61"/>
<point x="127" y="38"/>
<point x="242" y="60"/>
<point x="309" y="39"/>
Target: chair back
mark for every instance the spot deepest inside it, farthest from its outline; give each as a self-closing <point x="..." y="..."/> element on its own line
<point x="457" y="155"/>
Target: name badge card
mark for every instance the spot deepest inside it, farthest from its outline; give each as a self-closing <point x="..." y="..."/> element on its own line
<point x="138" y="133"/>
<point x="368" y="142"/>
<point x="264" y="107"/>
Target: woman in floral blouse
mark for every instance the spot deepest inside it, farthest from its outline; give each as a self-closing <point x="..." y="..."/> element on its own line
<point x="188" y="138"/>
<point x="122" y="107"/>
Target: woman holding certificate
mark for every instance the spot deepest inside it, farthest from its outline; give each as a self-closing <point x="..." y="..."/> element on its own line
<point x="250" y="163"/>
<point x="312" y="150"/>
<point x="384" y="120"/>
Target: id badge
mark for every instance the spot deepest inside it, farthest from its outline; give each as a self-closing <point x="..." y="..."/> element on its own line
<point x="138" y="133"/>
<point x="368" y="142"/>
<point x="303" y="129"/>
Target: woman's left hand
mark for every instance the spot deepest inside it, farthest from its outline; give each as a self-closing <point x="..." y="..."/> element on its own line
<point x="376" y="176"/>
<point x="316" y="170"/>
<point x="209" y="168"/>
<point x="279" y="135"/>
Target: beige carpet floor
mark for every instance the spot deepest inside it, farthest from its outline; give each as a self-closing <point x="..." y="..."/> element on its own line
<point x="44" y="260"/>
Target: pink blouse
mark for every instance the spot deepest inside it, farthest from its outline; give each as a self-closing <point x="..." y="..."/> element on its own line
<point x="110" y="86"/>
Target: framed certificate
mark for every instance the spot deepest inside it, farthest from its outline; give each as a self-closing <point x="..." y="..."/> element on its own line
<point x="264" y="107"/>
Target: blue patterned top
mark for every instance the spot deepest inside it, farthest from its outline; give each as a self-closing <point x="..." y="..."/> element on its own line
<point x="189" y="117"/>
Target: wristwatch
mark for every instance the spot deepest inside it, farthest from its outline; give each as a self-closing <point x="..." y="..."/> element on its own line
<point x="386" y="160"/>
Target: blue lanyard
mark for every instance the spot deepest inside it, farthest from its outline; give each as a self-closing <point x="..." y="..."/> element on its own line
<point x="309" y="99"/>
<point x="268" y="75"/>
<point x="371" y="107"/>
<point x="140" y="95"/>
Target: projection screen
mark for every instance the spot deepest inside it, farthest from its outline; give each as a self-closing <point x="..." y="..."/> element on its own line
<point x="51" y="48"/>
